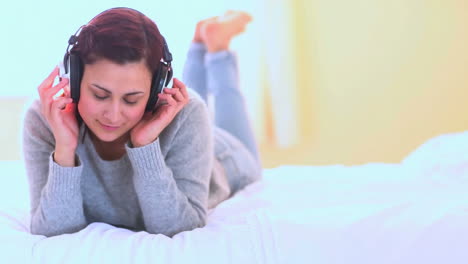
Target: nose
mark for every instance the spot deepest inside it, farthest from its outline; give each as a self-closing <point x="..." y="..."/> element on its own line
<point x="113" y="113"/>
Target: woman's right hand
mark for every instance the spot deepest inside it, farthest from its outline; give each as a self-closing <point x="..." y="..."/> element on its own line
<point x="60" y="114"/>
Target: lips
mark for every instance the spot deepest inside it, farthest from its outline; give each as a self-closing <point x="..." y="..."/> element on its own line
<point x="109" y="127"/>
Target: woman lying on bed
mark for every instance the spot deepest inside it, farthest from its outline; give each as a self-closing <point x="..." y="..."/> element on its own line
<point x="120" y="154"/>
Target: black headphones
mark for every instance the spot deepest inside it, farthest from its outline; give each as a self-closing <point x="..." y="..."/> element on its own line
<point x="73" y="69"/>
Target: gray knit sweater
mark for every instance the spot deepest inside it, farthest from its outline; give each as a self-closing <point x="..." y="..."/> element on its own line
<point x="164" y="188"/>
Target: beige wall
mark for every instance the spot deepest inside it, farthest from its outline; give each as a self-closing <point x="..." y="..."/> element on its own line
<point x="378" y="78"/>
<point x="11" y="114"/>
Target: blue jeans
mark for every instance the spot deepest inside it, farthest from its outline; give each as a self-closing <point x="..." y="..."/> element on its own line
<point x="235" y="145"/>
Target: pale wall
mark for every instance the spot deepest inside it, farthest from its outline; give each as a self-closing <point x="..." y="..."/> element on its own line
<point x="379" y="77"/>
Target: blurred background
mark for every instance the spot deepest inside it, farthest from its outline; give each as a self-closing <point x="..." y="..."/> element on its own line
<point x="326" y="81"/>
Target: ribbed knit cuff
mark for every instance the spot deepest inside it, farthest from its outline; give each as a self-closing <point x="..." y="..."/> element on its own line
<point x="147" y="160"/>
<point x="64" y="180"/>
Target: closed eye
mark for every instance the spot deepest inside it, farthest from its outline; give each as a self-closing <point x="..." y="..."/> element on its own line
<point x="130" y="102"/>
<point x="105" y="97"/>
<point x="100" y="97"/>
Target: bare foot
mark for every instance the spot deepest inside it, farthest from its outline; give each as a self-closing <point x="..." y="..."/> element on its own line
<point x="237" y="20"/>
<point x="217" y="33"/>
<point x="198" y="37"/>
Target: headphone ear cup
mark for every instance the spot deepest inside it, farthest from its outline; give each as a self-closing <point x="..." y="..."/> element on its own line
<point x="157" y="85"/>
<point x="76" y="73"/>
<point x="169" y="75"/>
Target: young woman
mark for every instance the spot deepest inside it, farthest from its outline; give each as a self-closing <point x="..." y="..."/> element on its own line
<point x="107" y="159"/>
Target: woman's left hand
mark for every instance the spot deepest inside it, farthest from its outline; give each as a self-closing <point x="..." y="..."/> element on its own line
<point x="153" y="123"/>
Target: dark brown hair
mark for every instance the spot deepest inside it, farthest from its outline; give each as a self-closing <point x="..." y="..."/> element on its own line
<point x="121" y="35"/>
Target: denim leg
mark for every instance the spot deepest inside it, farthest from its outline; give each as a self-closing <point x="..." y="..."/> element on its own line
<point x="241" y="167"/>
<point x="194" y="74"/>
<point x="230" y="110"/>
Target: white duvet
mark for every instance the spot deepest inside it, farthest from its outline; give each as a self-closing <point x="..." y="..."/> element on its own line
<point x="412" y="212"/>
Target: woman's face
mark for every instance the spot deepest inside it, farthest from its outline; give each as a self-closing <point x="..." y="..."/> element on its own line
<point x="113" y="97"/>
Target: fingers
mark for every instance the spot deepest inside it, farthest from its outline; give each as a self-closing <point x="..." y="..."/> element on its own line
<point x="178" y="84"/>
<point x="71" y="107"/>
<point x="176" y="96"/>
<point x="178" y="91"/>
<point x="48" y="99"/>
<point x="58" y="105"/>
<point x="61" y="102"/>
<point x="47" y="95"/>
<point x="49" y="80"/>
<point x="54" y="112"/>
<point x="66" y="89"/>
<point x="168" y="99"/>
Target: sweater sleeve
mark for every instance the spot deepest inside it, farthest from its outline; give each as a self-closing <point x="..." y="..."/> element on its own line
<point x="55" y="193"/>
<point x="173" y="190"/>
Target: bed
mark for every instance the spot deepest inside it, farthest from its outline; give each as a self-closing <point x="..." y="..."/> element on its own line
<point x="415" y="211"/>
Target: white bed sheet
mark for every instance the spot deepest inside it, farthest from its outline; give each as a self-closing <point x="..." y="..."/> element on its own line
<point x="412" y="212"/>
